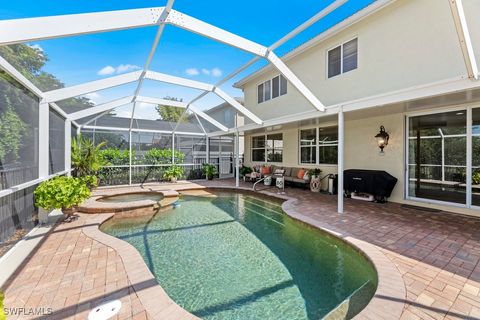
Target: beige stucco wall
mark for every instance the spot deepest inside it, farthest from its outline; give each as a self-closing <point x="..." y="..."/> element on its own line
<point x="409" y="43"/>
<point x="362" y="152"/>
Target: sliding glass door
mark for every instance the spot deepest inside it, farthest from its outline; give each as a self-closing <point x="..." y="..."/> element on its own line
<point x="475" y="189"/>
<point x="437" y="147"/>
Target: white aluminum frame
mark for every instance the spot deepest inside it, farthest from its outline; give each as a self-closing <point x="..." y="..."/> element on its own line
<point x="468" y="163"/>
<point x="464" y="38"/>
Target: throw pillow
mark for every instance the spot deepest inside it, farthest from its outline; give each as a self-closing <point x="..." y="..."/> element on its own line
<point x="300" y="173"/>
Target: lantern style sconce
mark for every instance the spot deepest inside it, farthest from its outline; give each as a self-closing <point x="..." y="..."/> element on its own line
<point x="382" y="139"/>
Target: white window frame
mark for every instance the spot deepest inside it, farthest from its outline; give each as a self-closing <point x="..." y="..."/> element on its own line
<point x="341" y="58"/>
<point x="270" y="97"/>
<point x="265" y="148"/>
<point x="317" y="146"/>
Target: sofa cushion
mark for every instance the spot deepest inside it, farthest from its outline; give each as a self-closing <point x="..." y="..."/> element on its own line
<point x="294" y="172"/>
<point x="288" y="172"/>
<point x="297" y="180"/>
<point x="288" y="178"/>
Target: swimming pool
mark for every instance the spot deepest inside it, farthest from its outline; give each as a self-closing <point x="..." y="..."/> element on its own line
<point x="239" y="256"/>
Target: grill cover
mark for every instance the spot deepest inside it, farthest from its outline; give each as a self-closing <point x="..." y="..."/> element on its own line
<point x="375" y="182"/>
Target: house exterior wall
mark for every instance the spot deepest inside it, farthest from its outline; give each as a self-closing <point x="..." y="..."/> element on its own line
<point x="362" y="152"/>
<point x="406" y="44"/>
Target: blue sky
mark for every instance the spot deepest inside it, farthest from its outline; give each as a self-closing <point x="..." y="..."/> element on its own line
<point x="80" y="59"/>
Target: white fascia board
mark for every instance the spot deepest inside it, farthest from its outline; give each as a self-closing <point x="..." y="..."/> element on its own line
<point x="162" y="77"/>
<point x="293" y="79"/>
<point x="8" y="68"/>
<point x="164" y="102"/>
<point x="447" y="86"/>
<point x="208" y="118"/>
<point x="234" y="103"/>
<point x="92" y="86"/>
<point x="100" y="108"/>
<point x="464" y="38"/>
<point x="34" y="29"/>
<point x="191" y="24"/>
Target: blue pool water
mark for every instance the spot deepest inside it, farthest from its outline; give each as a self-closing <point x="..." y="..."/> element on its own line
<point x="239" y="256"/>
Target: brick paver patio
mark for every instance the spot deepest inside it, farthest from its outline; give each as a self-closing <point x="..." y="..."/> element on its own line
<point x="437" y="255"/>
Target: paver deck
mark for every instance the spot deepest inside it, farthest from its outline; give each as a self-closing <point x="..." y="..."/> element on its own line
<point x="436" y="254"/>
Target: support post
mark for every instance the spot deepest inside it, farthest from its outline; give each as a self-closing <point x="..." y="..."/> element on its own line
<point x="237" y="159"/>
<point x="341" y="148"/>
<point x="43" y="136"/>
<point x="68" y="146"/>
<point x="207" y="145"/>
<point x="173" y="148"/>
<point x="130" y="157"/>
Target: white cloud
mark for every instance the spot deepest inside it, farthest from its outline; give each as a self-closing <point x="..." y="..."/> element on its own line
<point x="94" y="96"/>
<point x="122" y="68"/>
<point x="216" y="72"/>
<point x="126" y="67"/>
<point x="192" y="72"/>
<point x="36" y="46"/>
<point x="106" y="71"/>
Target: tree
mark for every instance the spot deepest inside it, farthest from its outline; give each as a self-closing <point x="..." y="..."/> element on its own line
<point x="12" y="129"/>
<point x="169" y="113"/>
<point x="29" y="61"/>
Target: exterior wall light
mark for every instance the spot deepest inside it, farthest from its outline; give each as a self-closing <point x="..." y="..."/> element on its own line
<point x="382" y="139"/>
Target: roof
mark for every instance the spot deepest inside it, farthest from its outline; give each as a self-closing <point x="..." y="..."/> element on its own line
<point x="330" y="32"/>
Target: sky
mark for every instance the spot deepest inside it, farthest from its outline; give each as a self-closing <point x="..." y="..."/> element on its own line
<point x="80" y="59"/>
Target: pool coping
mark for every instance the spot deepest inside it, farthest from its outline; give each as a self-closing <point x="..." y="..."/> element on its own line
<point x="387" y="303"/>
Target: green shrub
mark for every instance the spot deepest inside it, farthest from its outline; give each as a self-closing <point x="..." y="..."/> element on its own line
<point x="476" y="177"/>
<point x="163" y="156"/>
<point x="314" y="172"/>
<point x="244" y="170"/>
<point x="86" y="157"/>
<point x="61" y="193"/>
<point x="209" y="170"/>
<point x="173" y="172"/>
<point x="116" y="157"/>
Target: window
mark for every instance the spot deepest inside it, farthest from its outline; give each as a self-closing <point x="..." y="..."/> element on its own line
<point x="318" y="145"/>
<point x="275" y="147"/>
<point x="343" y="58"/>
<point x="267" y="148"/>
<point x="272" y="88"/>
<point x="258" y="148"/>
<point x="308" y="146"/>
<point x="327" y="145"/>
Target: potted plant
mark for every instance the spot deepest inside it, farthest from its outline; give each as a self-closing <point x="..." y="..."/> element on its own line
<point x="173" y="173"/>
<point x="314" y="179"/>
<point x="87" y="157"/>
<point x="209" y="170"/>
<point x="244" y="170"/>
<point x="64" y="193"/>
